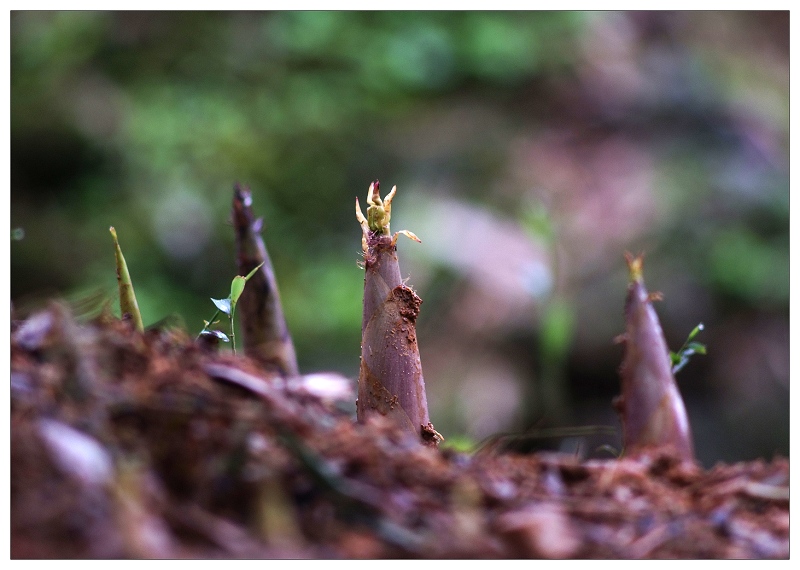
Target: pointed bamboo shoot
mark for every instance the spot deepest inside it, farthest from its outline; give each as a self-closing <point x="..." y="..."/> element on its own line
<point x="128" y="306"/>
<point x="651" y="407"/>
<point x="265" y="334"/>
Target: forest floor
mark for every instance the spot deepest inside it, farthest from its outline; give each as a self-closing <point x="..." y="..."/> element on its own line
<point x="130" y="445"/>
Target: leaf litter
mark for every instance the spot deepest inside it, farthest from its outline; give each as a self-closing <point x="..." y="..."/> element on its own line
<point x="128" y="444"/>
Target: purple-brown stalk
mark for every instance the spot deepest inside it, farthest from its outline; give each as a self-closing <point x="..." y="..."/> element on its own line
<point x="266" y="336"/>
<point x="390" y="381"/>
<point x="651" y="407"/>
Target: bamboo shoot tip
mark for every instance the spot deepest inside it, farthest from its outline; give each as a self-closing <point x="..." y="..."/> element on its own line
<point x="635" y="265"/>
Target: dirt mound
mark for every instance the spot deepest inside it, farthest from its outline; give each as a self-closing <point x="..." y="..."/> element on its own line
<point x="153" y="446"/>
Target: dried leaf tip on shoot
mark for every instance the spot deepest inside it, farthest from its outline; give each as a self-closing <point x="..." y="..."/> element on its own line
<point x="650" y="406"/>
<point x="390" y="381"/>
<point x="128" y="306"/>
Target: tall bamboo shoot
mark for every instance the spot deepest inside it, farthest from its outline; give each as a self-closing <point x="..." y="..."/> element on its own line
<point x="390" y="381"/>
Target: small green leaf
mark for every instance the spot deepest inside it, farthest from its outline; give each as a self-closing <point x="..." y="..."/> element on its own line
<point x="237" y="287"/>
<point x="257" y="267"/>
<point x="694" y="332"/>
<point x="696" y="347"/>
<point x="223" y="305"/>
<point x="17" y="234"/>
<point x="681" y="358"/>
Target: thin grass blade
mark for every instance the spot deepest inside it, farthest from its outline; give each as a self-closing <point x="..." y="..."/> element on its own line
<point x="127" y="298"/>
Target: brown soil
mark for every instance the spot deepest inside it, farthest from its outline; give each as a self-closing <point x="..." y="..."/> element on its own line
<point x="139" y="446"/>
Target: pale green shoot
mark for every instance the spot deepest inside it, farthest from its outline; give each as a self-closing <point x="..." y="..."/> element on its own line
<point x="127" y="298"/>
<point x="228" y="306"/>
<point x="681" y="358"/>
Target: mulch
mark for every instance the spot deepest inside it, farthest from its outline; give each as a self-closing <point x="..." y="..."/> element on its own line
<point x="150" y="445"/>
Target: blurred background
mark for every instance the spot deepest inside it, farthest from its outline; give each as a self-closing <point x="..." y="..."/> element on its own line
<point x="530" y="151"/>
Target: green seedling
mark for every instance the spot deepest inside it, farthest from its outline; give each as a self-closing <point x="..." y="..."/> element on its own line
<point x="228" y="306"/>
<point x="127" y="298"/>
<point x="17" y="234"/>
<point x="689" y="348"/>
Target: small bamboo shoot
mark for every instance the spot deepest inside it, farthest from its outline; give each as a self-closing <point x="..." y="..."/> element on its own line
<point x="651" y="407"/>
<point x="128" y="306"/>
<point x="265" y="334"/>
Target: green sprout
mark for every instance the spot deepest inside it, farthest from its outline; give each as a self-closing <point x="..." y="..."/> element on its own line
<point x="128" y="306"/>
<point x="228" y="306"/>
<point x="681" y="358"/>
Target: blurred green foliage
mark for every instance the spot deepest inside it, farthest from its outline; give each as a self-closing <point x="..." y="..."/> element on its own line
<point x="598" y="132"/>
<point x="163" y="111"/>
<point x="751" y="267"/>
